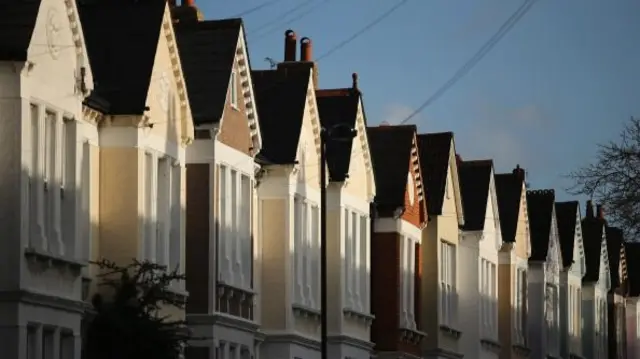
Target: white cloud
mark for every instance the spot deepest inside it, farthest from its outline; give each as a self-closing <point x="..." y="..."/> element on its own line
<point x="395" y="113"/>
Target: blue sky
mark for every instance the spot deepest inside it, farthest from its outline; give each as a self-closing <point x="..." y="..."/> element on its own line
<point x="564" y="79"/>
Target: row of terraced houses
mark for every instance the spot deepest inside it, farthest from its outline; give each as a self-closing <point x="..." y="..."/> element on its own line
<point x="137" y="129"/>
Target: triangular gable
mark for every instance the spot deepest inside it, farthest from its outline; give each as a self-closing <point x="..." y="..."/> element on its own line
<point x="553" y="261"/>
<point x="604" y="280"/>
<point x="457" y="193"/>
<point x="578" y="247"/>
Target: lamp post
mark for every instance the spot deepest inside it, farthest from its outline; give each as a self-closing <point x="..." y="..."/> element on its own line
<point x="335" y="133"/>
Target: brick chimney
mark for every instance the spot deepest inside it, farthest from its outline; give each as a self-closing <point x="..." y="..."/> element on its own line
<point x="519" y="173"/>
<point x="306" y="55"/>
<point x="589" y="213"/>
<point x="186" y="12"/>
<point x="290" y="42"/>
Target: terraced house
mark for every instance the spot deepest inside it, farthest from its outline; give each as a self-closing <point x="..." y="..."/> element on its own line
<point x="571" y="274"/>
<point x="479" y="246"/>
<point x="50" y="170"/>
<point x="351" y="192"/>
<point x="223" y="245"/>
<point x="401" y="216"/>
<point x="514" y="254"/>
<point x="543" y="292"/>
<point x="289" y="206"/>
<point x="632" y="293"/>
<point x="615" y="298"/>
<point x="440" y="316"/>
<point x="596" y="283"/>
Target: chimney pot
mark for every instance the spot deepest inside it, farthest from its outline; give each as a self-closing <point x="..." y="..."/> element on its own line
<point x="290" y="41"/>
<point x="600" y="211"/>
<point x="589" y="213"/>
<point x="188" y="2"/>
<point x="519" y="172"/>
<point x="354" y="84"/>
<point x="306" y="49"/>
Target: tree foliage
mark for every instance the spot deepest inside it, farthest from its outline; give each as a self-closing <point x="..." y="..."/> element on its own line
<point x="613" y="179"/>
<point x="128" y="323"/>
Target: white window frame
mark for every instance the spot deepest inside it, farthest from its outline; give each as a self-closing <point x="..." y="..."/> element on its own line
<point x="408" y="281"/>
<point x="448" y="280"/>
<point x="355" y="239"/>
<point x="306" y="252"/>
<point x="233" y="89"/>
<point x="235" y="259"/>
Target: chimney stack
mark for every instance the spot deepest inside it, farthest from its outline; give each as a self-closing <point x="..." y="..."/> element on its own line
<point x="354" y="83"/>
<point x="290" y="42"/>
<point x="589" y="213"/>
<point x="458" y="159"/>
<point x="600" y="211"/>
<point x="306" y="49"/>
<point x="519" y="173"/>
<point x="188" y="2"/>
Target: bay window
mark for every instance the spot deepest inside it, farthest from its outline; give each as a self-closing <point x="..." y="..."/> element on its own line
<point x="306" y="253"/>
<point x="162" y="211"/>
<point x="488" y="299"/>
<point x="552" y="316"/>
<point x="448" y="296"/>
<point x="355" y="260"/>
<point x="52" y="159"/>
<point x="408" y="282"/>
<point x="235" y="259"/>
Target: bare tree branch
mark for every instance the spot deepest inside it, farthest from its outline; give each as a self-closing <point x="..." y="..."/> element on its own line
<point x="613" y="179"/>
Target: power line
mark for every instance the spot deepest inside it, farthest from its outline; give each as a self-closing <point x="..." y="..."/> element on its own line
<point x="284" y="14"/>
<point x="292" y="19"/>
<point x="351" y="38"/>
<point x="475" y="59"/>
<point x="368" y="27"/>
<point x="256" y="8"/>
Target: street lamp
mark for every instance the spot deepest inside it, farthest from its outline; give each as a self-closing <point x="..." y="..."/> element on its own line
<point x="335" y="133"/>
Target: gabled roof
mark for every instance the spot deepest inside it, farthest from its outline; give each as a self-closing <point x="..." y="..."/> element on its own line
<point x="475" y="179"/>
<point x="281" y="97"/>
<point x="632" y="252"/>
<point x="592" y="231"/>
<point x="614" y="246"/>
<point x="207" y="51"/>
<point x="540" y="208"/>
<point x="566" y="217"/>
<point x="509" y="187"/>
<point x="17" y="23"/>
<point x="122" y="39"/>
<point x="435" y="154"/>
<point x="391" y="155"/>
<point x="338" y="107"/>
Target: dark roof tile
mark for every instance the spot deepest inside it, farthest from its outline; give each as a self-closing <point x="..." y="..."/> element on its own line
<point x="540" y="208"/>
<point x="207" y="50"/>
<point x="592" y="232"/>
<point x="566" y="217"/>
<point x="391" y="155"/>
<point x="435" y="151"/>
<point x="338" y="107"/>
<point x="509" y="192"/>
<point x="17" y="23"/>
<point x="614" y="246"/>
<point x="281" y="99"/>
<point x="475" y="178"/>
<point x="122" y="56"/>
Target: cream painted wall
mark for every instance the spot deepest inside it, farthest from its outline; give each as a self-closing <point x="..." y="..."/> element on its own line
<point x="440" y="227"/>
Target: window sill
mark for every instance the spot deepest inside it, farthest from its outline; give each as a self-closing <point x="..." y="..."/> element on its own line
<point x="306" y="312"/>
<point x="450" y="332"/>
<point x="412" y="336"/>
<point x="491" y="345"/>
<point x="178" y="294"/>
<point x="521" y="350"/>
<point x="234" y="289"/>
<point x="52" y="260"/>
<point x="365" y="318"/>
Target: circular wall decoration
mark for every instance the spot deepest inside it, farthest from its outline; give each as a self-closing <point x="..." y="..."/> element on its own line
<point x="163" y="92"/>
<point x="411" y="189"/>
<point x="53" y="33"/>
